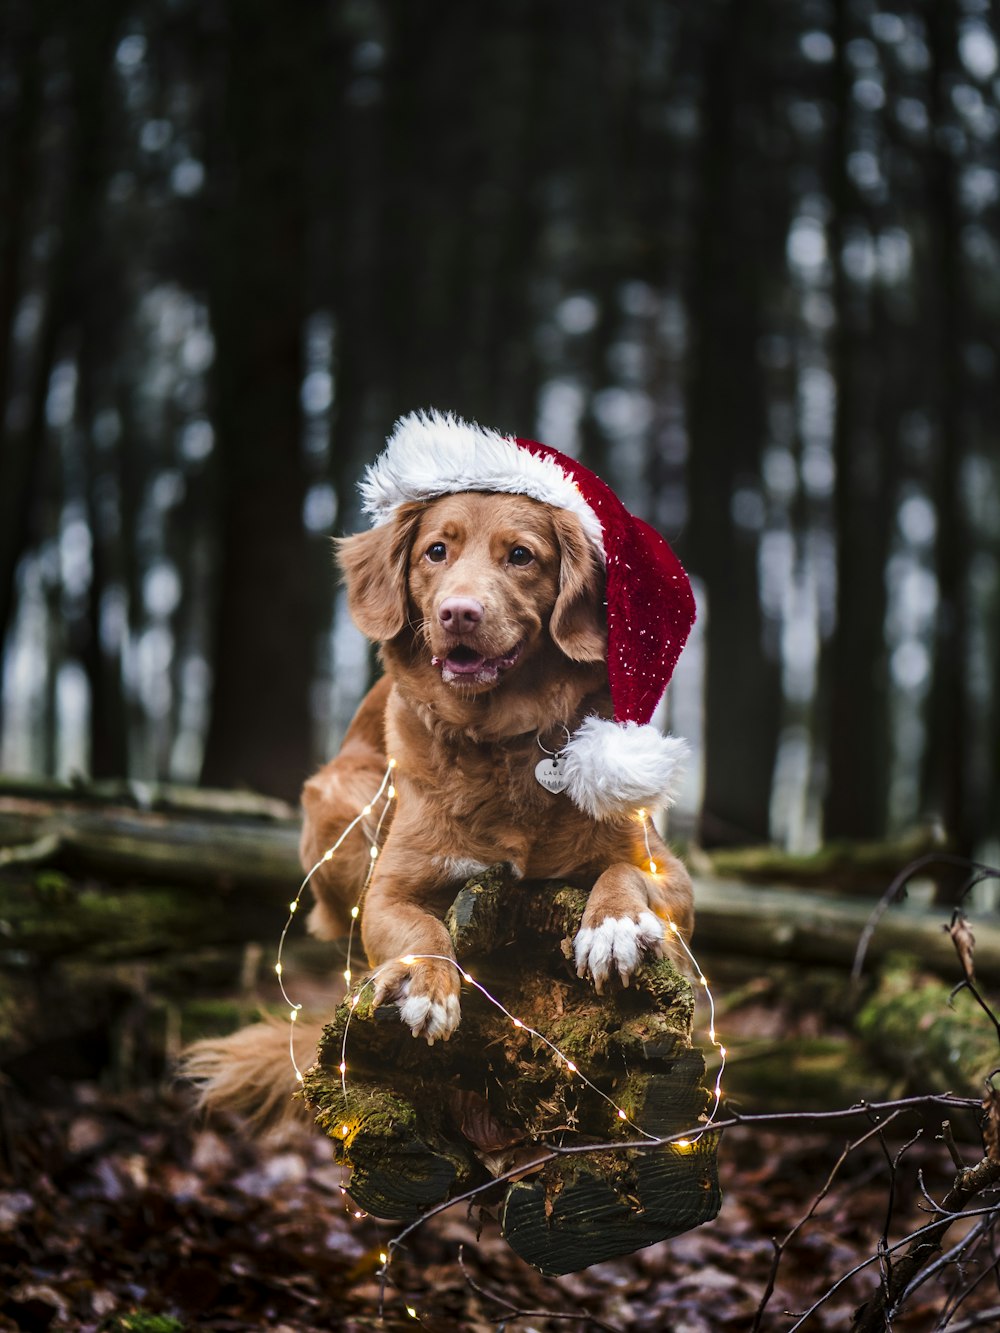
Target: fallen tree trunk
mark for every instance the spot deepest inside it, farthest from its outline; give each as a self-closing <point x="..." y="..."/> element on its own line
<point x="557" y="1065"/>
<point x="246" y="850"/>
<point x="814" y="928"/>
<point x="170" y="835"/>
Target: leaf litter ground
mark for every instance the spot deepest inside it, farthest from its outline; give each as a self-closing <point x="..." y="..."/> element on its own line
<point x="125" y="1212"/>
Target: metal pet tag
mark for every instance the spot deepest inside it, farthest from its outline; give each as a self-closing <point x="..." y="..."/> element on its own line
<point x="551" y="776"/>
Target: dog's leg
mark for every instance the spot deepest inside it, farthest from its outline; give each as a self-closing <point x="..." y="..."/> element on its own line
<point x="331" y="799"/>
<point x="628" y="917"/>
<point x="396" y="925"/>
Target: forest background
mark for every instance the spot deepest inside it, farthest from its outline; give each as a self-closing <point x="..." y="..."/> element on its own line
<point x="740" y="256"/>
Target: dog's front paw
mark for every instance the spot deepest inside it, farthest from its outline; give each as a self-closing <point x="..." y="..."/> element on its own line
<point x="427" y="995"/>
<point x="617" y="945"/>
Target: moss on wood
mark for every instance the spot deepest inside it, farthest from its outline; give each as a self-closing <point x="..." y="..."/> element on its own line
<point x="425" y="1123"/>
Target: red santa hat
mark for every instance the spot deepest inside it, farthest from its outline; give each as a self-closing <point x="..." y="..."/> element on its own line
<point x="610" y="766"/>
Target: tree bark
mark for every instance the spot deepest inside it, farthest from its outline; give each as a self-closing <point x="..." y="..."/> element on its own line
<point x="419" y="1125"/>
<point x="269" y="573"/>
<point x="727" y="431"/>
<point x="855" y="697"/>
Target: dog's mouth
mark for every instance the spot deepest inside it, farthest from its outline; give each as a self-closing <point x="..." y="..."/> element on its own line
<point x="464" y="664"/>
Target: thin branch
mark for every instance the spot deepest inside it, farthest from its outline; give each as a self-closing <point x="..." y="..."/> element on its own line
<point x="924" y="1243"/>
<point x="948" y="1139"/>
<point x="781" y="1246"/>
<point x="959" y="1295"/>
<point x="983" y="1319"/>
<point x="940" y="1264"/>
<point x="517" y="1313"/>
<point x="895" y="889"/>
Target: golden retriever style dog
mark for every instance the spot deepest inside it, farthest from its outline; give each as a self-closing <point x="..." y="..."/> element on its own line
<point x="489" y="610"/>
<point x="527" y="625"/>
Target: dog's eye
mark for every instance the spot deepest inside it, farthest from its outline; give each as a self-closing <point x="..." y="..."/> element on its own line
<point x="520" y="555"/>
<point x="437" y="551"/>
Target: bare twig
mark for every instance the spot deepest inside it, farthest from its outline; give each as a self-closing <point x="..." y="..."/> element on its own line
<point x="895" y="890"/>
<point x="948" y="1139"/>
<point x="781" y="1246"/>
<point x="923" y="1244"/>
<point x="983" y="1319"/>
<point x="949" y="1257"/>
<point x="516" y="1312"/>
<point x="960" y="1294"/>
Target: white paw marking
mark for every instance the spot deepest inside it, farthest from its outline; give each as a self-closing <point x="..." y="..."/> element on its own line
<point x="616" y="945"/>
<point x="429" y="1018"/>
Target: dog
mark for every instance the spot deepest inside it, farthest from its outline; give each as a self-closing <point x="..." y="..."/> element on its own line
<point x="492" y="610"/>
<point x="488" y="611"/>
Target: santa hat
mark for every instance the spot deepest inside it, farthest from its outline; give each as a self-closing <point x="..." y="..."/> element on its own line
<point x="610" y="766"/>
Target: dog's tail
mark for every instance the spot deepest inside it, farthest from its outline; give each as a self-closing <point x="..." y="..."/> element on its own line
<point x="251" y="1074"/>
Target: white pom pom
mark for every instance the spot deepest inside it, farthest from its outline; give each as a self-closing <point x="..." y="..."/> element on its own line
<point x="614" y="767"/>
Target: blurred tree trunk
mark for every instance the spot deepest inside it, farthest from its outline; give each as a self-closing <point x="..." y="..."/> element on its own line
<point x="17" y="193"/>
<point x="31" y="481"/>
<point x="266" y="621"/>
<point x="727" y="429"/>
<point x="856" y="671"/>
<point x="946" y="756"/>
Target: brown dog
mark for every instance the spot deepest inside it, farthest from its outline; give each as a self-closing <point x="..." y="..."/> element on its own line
<point x="489" y="610"/>
<point x="521" y="611"/>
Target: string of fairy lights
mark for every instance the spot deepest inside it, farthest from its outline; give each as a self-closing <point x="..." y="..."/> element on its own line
<point x="386" y="794"/>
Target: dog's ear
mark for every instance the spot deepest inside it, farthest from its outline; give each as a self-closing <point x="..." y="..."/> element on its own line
<point x="375" y="565"/>
<point x="578" y="625"/>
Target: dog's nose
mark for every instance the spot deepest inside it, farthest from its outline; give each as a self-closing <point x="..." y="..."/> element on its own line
<point x="460" y="615"/>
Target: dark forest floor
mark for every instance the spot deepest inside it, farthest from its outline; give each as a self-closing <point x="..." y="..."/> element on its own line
<point x="118" y="1208"/>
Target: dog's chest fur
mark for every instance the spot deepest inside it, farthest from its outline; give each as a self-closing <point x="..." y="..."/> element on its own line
<point x="484" y="802"/>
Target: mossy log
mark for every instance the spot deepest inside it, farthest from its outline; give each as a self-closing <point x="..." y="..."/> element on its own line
<point x="172" y="835"/>
<point x="417" y="1125"/>
<point x="848" y="866"/>
<point x="925" y="1035"/>
<point x="821" y="930"/>
<point x="245" y="849"/>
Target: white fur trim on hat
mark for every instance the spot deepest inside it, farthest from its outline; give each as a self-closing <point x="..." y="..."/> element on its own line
<point x="615" y="767"/>
<point x="435" y="453"/>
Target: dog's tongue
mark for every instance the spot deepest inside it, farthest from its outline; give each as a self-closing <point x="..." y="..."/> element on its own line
<point x="463" y="661"/>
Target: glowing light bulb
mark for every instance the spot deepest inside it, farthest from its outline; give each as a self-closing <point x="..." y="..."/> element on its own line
<point x="277" y="969"/>
<point x="408" y="960"/>
<point x="342" y="1067"/>
<point x="355" y="912"/>
<point x="652" y="867"/>
<point x="621" y="1114"/>
<point x="293" y="906"/>
<point x="571" y="1066"/>
<point x="373" y="852"/>
<point x="347" y="975"/>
